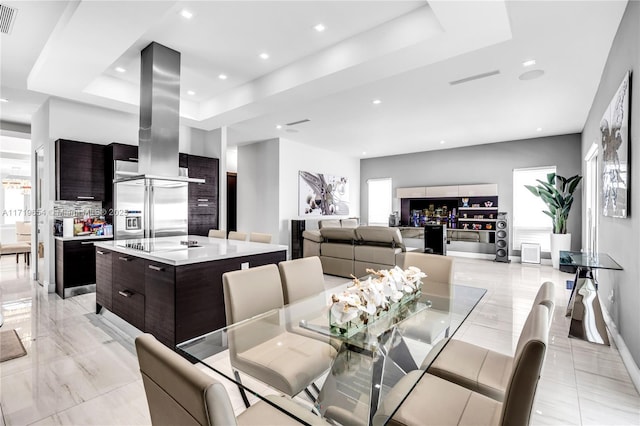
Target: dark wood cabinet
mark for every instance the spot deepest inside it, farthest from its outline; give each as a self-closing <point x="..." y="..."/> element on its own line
<point x="203" y="197"/>
<point x="104" y="278"/>
<point x="297" y="228"/>
<point x="159" y="282"/>
<point x="129" y="289"/>
<point x="75" y="264"/>
<point x="174" y="303"/>
<point x="80" y="173"/>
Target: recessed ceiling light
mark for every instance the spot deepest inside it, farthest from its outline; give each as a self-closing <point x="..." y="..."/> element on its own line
<point x="539" y="129"/>
<point x="4" y="100"/>
<point x="120" y="69"/>
<point x="531" y="75"/>
<point x="364" y="152"/>
<point x="264" y="55"/>
<point x="441" y="142"/>
<point x="278" y="126"/>
<point x="319" y="28"/>
<point x="222" y="76"/>
<point x="186" y="14"/>
<point x="377" y="102"/>
<point x="529" y="63"/>
<point x="191" y="92"/>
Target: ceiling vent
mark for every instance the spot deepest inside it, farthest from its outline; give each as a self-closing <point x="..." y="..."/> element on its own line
<point x="7" y="17"/>
<point x="475" y="77"/>
<point x="293" y="123"/>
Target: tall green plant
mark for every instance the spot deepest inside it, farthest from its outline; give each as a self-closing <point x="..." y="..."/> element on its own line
<point x="557" y="194"/>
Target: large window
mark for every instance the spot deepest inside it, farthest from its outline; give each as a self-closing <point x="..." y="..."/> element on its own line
<point x="379" y="201"/>
<point x="530" y="224"/>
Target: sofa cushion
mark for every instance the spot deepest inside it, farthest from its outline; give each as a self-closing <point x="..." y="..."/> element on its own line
<point x="329" y="223"/>
<point x="312" y="235"/>
<point x="374" y="254"/>
<point x="379" y="234"/>
<point x="338" y="234"/>
<point x="342" y="251"/>
<point x="349" y="223"/>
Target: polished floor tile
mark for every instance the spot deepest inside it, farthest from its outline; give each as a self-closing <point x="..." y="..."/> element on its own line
<point x="81" y="368"/>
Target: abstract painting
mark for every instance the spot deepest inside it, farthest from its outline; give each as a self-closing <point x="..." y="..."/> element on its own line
<point x="614" y="133"/>
<point x="321" y="194"/>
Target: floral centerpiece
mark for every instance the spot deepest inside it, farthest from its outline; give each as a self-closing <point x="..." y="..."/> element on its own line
<point x="366" y="300"/>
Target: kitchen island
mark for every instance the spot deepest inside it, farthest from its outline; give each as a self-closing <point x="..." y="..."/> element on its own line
<point x="171" y="287"/>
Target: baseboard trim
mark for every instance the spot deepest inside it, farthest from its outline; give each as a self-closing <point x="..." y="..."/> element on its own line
<point x="627" y="359"/>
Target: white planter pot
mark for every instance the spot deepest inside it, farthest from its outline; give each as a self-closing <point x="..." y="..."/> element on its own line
<point x="559" y="242"/>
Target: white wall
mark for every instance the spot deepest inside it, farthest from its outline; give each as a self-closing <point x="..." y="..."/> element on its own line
<point x="294" y="157"/>
<point x="268" y="183"/>
<point x="258" y="188"/>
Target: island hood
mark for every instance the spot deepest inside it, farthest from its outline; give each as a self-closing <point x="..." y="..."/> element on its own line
<point x="159" y="118"/>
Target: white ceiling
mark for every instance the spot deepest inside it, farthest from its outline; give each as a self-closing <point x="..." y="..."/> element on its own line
<point x="404" y="53"/>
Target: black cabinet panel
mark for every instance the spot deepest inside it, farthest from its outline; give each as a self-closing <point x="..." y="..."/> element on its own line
<point x="128" y="271"/>
<point x="203" y="197"/>
<point x="75" y="264"/>
<point x="160" y="302"/>
<point x="80" y="172"/>
<point x="104" y="278"/>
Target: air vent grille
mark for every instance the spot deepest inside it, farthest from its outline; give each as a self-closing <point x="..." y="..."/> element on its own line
<point x="7" y="17"/>
<point x="474" y="77"/>
<point x="293" y="123"/>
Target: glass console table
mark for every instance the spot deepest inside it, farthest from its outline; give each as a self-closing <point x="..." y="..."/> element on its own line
<point x="587" y="321"/>
<point x="368" y="363"/>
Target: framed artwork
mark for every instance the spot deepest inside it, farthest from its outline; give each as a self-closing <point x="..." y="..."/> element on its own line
<point x="614" y="134"/>
<point x="321" y="194"/>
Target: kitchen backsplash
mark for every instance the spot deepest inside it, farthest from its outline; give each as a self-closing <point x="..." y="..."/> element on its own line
<point x="79" y="209"/>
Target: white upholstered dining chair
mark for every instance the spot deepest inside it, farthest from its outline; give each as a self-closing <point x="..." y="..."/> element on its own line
<point x="263" y="348"/>
<point x="435" y="401"/>
<point x="239" y="236"/>
<point x="217" y="233"/>
<point x="178" y="393"/>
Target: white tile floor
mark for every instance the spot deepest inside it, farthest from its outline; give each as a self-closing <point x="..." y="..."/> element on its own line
<point x="81" y="368"/>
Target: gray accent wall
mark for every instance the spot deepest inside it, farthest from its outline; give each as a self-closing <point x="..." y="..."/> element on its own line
<point x="620" y="238"/>
<point x="488" y="163"/>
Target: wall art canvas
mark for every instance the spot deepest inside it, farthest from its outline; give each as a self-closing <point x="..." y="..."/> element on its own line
<point x="614" y="132"/>
<point x="321" y="194"/>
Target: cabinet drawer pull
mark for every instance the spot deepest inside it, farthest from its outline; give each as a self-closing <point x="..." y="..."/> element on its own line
<point x="126" y="259"/>
<point x="133" y="159"/>
<point x="156" y="268"/>
<point x="203" y="205"/>
<point x="125" y="293"/>
<point x="85" y="198"/>
<point x="86" y="242"/>
<point x="203" y="199"/>
<point x="99" y="252"/>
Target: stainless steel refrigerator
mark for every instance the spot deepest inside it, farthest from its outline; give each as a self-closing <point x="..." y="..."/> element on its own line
<point x="150" y="207"/>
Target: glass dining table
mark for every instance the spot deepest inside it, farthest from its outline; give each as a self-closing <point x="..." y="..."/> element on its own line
<point x="368" y="363"/>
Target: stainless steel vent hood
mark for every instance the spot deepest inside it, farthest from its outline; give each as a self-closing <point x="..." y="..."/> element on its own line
<point x="159" y="116"/>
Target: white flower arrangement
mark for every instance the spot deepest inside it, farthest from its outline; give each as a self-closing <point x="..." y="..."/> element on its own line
<point x="375" y="294"/>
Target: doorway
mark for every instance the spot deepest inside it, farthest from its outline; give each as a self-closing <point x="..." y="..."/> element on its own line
<point x="591" y="198"/>
<point x="232" y="201"/>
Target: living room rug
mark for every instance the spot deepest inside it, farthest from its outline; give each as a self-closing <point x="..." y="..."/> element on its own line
<point x="10" y="346"/>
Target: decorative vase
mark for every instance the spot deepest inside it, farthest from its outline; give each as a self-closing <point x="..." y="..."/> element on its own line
<point x="559" y="242"/>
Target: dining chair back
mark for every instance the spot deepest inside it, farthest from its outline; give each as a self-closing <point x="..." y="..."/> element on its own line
<point x="258" y="237"/>
<point x="546" y="296"/>
<point x="301" y="278"/>
<point x="217" y="233"/>
<point x="239" y="236"/>
<point x="434" y="401"/>
<point x="178" y="393"/>
<point x="437" y="267"/>
<point x="263" y="347"/>
<point x="23" y="231"/>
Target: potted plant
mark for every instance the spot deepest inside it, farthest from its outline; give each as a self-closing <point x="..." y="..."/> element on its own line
<point x="557" y="194"/>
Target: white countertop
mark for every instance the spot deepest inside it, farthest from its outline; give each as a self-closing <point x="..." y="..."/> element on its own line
<point x="168" y="249"/>
<point x="85" y="237"/>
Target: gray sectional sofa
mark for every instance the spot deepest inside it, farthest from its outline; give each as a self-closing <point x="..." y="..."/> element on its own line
<point x="347" y="249"/>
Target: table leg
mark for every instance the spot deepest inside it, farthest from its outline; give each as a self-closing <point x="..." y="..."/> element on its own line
<point x="587" y="321"/>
